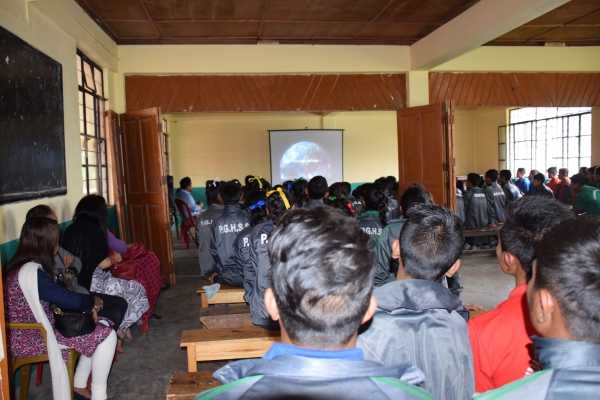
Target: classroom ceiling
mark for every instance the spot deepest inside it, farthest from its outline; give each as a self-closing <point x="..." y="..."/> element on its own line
<point x="576" y="23"/>
<point x="320" y="21"/>
<point x="283" y="21"/>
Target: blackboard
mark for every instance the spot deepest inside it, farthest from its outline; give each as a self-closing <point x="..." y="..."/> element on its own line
<point x="32" y="139"/>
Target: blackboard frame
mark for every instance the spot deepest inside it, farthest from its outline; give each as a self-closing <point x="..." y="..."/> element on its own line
<point x="54" y="144"/>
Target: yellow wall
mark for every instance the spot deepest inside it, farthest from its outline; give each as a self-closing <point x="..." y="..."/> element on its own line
<point x="476" y="138"/>
<point x="28" y="21"/>
<point x="232" y="145"/>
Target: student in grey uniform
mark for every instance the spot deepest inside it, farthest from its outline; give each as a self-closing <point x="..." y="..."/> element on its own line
<point x="563" y="302"/>
<point x="496" y="195"/>
<point x="478" y="209"/>
<point x="258" y="269"/>
<point x="460" y="201"/>
<point x="386" y="266"/>
<point x="389" y="186"/>
<point x="299" y="193"/>
<point x="225" y="230"/>
<point x="204" y="227"/>
<point x="373" y="218"/>
<point x="317" y="190"/>
<point x="511" y="191"/>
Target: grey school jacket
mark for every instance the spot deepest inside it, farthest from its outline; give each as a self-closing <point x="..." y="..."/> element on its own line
<point x="225" y="230"/>
<point x="498" y="198"/>
<point x="241" y="257"/>
<point x="422" y="323"/>
<point x="204" y="233"/>
<point x="382" y="253"/>
<point x="296" y="377"/>
<point x="314" y="203"/>
<point x="460" y="205"/>
<point x="477" y="209"/>
<point x="511" y="192"/>
<point x="370" y="223"/>
<point x="571" y="372"/>
<point x="258" y="271"/>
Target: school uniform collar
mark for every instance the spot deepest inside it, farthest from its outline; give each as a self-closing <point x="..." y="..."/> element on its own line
<point x="558" y="353"/>
<point x="281" y="349"/>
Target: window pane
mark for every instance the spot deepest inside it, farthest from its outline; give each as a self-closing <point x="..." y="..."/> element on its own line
<point x="93" y="186"/>
<point x="83" y="159"/>
<point x="91" y="144"/>
<point x="586" y="146"/>
<point x="586" y="124"/>
<point x="573" y="126"/>
<point x="99" y="83"/>
<point x="89" y="76"/>
<point x="573" y="147"/>
<point x="91" y="157"/>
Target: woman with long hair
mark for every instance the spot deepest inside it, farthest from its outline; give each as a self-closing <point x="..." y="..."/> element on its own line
<point x="89" y="239"/>
<point x="30" y="290"/>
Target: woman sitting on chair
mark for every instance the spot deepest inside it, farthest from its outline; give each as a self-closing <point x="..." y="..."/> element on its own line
<point x="30" y="289"/>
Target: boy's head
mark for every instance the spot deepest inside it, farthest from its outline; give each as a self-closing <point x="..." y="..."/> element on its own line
<point x="552" y="172"/>
<point x="431" y="242"/>
<point x="527" y="221"/>
<point x="212" y="191"/>
<point x="231" y="192"/>
<point x="186" y="183"/>
<point x="317" y="187"/>
<point x="563" y="173"/>
<point x="577" y="182"/>
<point x="322" y="278"/>
<point x="520" y="172"/>
<point x="564" y="292"/>
<point x="412" y="196"/>
<point x="505" y="176"/>
<point x="473" y="180"/>
<point x="539" y="179"/>
<point x="491" y="176"/>
<point x="41" y="211"/>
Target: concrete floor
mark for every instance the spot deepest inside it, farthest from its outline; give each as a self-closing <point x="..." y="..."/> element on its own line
<point x="143" y="371"/>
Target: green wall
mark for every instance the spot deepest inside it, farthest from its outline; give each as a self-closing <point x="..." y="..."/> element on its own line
<point x="8" y="249"/>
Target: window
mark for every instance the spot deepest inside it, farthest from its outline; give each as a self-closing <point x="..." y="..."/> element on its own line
<point x="94" y="161"/>
<point x="544" y="137"/>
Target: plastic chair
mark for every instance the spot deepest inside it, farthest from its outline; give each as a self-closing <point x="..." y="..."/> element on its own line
<point x="188" y="223"/>
<point x="25" y="363"/>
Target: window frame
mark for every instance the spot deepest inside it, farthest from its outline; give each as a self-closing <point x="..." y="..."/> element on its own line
<point x="87" y="91"/>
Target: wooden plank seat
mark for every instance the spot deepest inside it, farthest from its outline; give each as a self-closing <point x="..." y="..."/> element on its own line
<point x="471" y="233"/>
<point x="186" y="385"/>
<point x="226" y="295"/>
<point x="225" y="344"/>
<point x="231" y="321"/>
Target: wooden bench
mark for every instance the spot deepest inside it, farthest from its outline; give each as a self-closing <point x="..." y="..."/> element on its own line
<point x="231" y="321"/>
<point x="186" y="385"/>
<point x="471" y="233"/>
<point x="226" y="344"/>
<point x="226" y="295"/>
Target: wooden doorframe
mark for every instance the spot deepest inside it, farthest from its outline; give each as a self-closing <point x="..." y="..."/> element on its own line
<point x="115" y="153"/>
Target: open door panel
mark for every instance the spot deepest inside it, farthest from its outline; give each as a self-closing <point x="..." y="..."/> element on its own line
<point x="425" y="151"/>
<point x="146" y="185"/>
<point x="117" y="174"/>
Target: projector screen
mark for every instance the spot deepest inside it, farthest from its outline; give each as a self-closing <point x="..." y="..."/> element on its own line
<point x="306" y="153"/>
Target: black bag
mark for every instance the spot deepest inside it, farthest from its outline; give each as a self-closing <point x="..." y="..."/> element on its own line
<point x="73" y="323"/>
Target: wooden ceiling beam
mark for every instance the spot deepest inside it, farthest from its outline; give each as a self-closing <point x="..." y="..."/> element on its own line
<point x="483" y="22"/>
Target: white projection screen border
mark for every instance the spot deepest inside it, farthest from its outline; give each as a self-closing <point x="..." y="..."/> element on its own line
<point x="296" y="153"/>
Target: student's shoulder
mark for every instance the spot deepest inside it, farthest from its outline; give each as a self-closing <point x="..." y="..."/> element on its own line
<point x="401" y="388"/>
<point x="231" y="390"/>
<point x="532" y="387"/>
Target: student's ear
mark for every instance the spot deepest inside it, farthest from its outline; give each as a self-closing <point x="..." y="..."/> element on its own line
<point x="271" y="304"/>
<point x="543" y="311"/>
<point x="510" y="262"/>
<point x="396" y="249"/>
<point x="371" y="310"/>
<point x="454" y="268"/>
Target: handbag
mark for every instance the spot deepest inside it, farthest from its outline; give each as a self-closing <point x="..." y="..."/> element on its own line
<point x="73" y="323"/>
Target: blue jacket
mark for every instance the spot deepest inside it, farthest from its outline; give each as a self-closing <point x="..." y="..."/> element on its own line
<point x="524" y="184"/>
<point x="292" y="376"/>
<point x="421" y="323"/>
<point x="571" y="372"/>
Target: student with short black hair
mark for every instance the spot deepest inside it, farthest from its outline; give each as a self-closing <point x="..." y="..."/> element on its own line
<point x="225" y="230"/>
<point x="500" y="338"/>
<point x="553" y="180"/>
<point x="587" y="197"/>
<point x="562" y="192"/>
<point x="511" y="191"/>
<point x="322" y="282"/>
<point x="300" y="192"/>
<point x="416" y="311"/>
<point x="386" y="262"/>
<point x="495" y="195"/>
<point x="564" y="308"/>
<point x="372" y="219"/>
<point x="204" y="227"/>
<point x="184" y="193"/>
<point x="478" y="210"/>
<point x="317" y="189"/>
<point x="539" y="187"/>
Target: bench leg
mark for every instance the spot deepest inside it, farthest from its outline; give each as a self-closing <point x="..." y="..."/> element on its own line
<point x="24" y="382"/>
<point x="203" y="300"/>
<point x="191" y="359"/>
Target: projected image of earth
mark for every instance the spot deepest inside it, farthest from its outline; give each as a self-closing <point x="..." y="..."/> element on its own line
<point x="304" y="159"/>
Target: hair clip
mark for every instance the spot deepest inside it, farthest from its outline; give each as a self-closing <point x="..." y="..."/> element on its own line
<point x="282" y="195"/>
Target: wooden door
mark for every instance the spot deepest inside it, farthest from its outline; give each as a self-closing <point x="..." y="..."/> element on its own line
<point x="146" y="185"/>
<point x="4" y="368"/>
<point x="117" y="173"/>
<point x="425" y="151"/>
